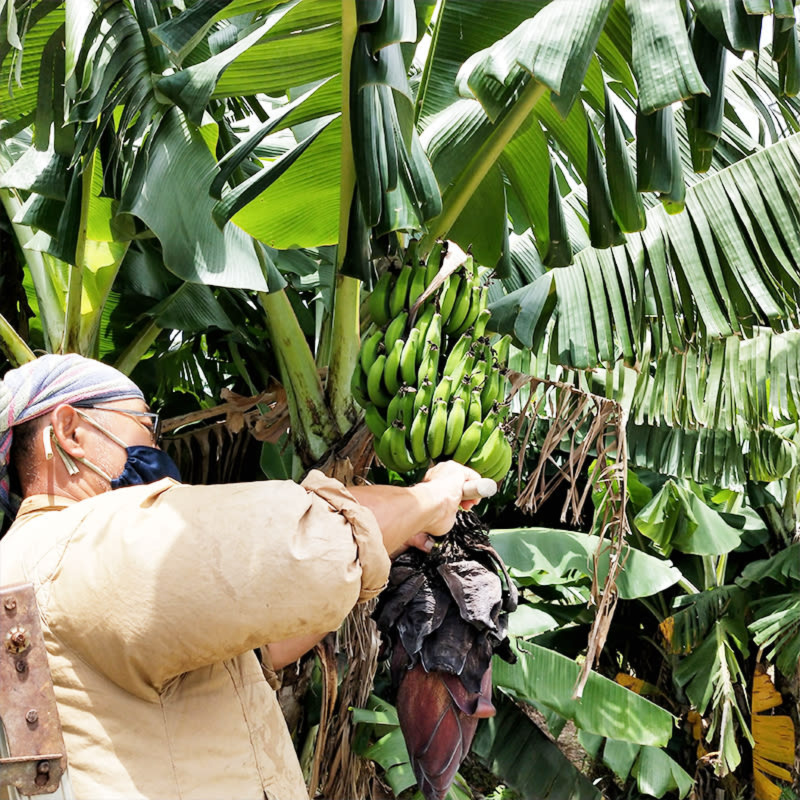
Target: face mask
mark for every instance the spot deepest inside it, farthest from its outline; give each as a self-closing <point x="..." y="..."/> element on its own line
<point x="143" y="465"/>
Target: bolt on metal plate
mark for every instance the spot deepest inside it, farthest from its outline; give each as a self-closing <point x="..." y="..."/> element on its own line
<point x="36" y="760"/>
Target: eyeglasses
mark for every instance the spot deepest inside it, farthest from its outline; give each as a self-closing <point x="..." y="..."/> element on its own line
<point x="155" y="421"/>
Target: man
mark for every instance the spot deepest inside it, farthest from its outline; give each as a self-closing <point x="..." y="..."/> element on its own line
<point x="154" y="595"/>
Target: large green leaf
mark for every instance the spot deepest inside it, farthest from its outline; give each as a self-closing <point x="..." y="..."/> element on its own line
<point x="663" y="63"/>
<point x="546" y="678"/>
<point x="555" y="46"/>
<point x="19" y="70"/>
<point x="656" y="774"/>
<point x="194" y="250"/>
<point x="677" y="518"/>
<point x="713" y="672"/>
<point x="545" y="555"/>
<point x="782" y="567"/>
<point x="776" y="629"/>
<point x="723" y="267"/>
<point x="515" y="750"/>
<point x="191" y="308"/>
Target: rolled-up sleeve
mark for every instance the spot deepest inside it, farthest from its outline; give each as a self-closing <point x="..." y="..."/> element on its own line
<point x="155" y="584"/>
<point x="371" y="552"/>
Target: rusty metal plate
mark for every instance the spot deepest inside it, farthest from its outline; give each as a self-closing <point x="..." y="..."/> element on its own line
<point x="36" y="754"/>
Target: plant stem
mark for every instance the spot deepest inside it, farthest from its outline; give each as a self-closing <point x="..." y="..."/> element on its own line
<point x="51" y="309"/>
<point x="345" y="333"/>
<point x="71" y="342"/>
<point x="455" y="200"/>
<point x="317" y="429"/>
<point x="136" y="350"/>
<point x="13" y="345"/>
<point x="346" y="342"/>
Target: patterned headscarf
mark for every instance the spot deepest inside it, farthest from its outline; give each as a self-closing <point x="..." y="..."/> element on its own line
<point x="36" y="388"/>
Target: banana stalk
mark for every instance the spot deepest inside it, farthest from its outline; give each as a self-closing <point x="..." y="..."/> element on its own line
<point x="455" y="200"/>
<point x="71" y="343"/>
<point x="51" y="309"/>
<point x="136" y="350"/>
<point x="313" y="424"/>
<point x="345" y="344"/>
<point x="13" y="345"/>
<point x="346" y="338"/>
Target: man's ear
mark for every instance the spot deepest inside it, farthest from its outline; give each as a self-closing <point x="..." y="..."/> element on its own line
<point x="68" y="428"/>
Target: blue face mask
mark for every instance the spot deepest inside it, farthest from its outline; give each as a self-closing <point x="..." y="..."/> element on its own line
<point x="143" y="465"/>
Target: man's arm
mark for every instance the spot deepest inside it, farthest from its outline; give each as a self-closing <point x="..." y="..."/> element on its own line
<point x="407" y="515"/>
<point x="289" y="650"/>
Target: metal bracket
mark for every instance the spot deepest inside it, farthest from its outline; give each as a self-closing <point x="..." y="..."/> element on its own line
<point x="36" y="753"/>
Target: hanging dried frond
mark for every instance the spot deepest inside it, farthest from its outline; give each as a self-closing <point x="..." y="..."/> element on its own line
<point x="226" y="450"/>
<point x="590" y="428"/>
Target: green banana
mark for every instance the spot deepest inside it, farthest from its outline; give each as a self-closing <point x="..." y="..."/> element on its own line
<point x="369" y="350"/>
<point x="491" y="390"/>
<point x="455" y="425"/>
<point x="424" y="395"/>
<point x="474" y="409"/>
<point x="463" y="369"/>
<point x="358" y="386"/>
<point x="443" y="389"/>
<point x="422" y="322"/>
<point x="469" y="443"/>
<point x="433" y="335"/>
<point x="448" y="293"/>
<point x="434" y="262"/>
<point x="485" y="459"/>
<point x="490" y="422"/>
<point x="380" y="445"/>
<point x="461" y="307"/>
<point x="377" y="394"/>
<point x="375" y="420"/>
<point x="417" y="285"/>
<point x="437" y="428"/>
<point x="409" y="394"/>
<point x="430" y="365"/>
<point x="398" y="449"/>
<point x="408" y="359"/>
<point x="479" y="328"/>
<point x="461" y="390"/>
<point x="391" y="370"/>
<point x="480" y="372"/>
<point x="378" y="302"/>
<point x="472" y="312"/>
<point x="394" y="330"/>
<point x="457" y="354"/>
<point x="501" y="350"/>
<point x="503" y="464"/>
<point x="394" y="410"/>
<point x="416" y="437"/>
<point x="399" y="293"/>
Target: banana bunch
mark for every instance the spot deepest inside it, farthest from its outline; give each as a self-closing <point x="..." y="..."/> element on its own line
<point x="433" y="387"/>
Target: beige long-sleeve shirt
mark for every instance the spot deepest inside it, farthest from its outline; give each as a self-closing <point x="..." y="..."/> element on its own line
<point x="152" y="599"/>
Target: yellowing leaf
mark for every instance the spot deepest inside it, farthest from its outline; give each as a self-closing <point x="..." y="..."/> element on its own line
<point x="765" y="695"/>
<point x="773" y="737"/>
<point x="765" y="789"/>
<point x="635" y="684"/>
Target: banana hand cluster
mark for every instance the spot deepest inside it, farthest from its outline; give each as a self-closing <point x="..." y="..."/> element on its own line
<point x="433" y="388"/>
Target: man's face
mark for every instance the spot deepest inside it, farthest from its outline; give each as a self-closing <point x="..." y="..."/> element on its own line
<point x="131" y="429"/>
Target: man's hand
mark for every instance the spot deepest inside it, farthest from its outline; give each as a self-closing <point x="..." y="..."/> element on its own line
<point x="410" y="516"/>
<point x="442" y="490"/>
